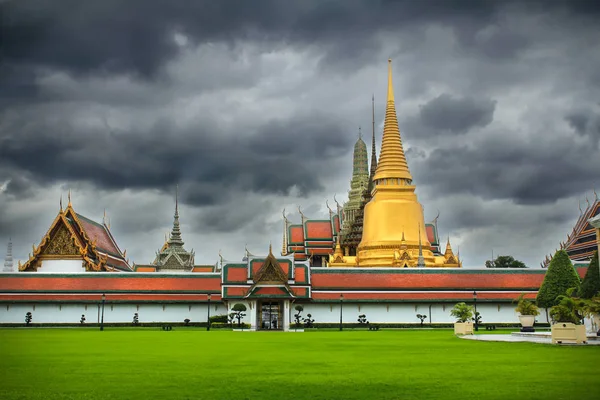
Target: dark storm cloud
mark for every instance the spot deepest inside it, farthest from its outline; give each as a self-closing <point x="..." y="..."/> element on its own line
<point x="457" y="115"/>
<point x="527" y="171"/>
<point x="136" y="37"/>
<point x="207" y="159"/>
<point x="586" y="123"/>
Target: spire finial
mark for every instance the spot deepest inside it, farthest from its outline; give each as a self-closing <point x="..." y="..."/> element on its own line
<point x="69" y="205"/>
<point x="61" y="206"/>
<point x="104" y="217"/>
<point x="270" y="248"/>
<point x="390" y="91"/>
<point x="359" y="132"/>
<point x="175" y="240"/>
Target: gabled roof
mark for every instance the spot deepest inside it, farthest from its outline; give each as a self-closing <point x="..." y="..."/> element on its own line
<point x="73" y="236"/>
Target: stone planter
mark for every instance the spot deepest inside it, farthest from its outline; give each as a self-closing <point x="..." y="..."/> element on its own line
<point x="527" y="322"/>
<point x="463" y="328"/>
<point x="566" y="332"/>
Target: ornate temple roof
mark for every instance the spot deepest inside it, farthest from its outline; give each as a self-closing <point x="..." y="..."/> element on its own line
<point x="74" y="236"/>
<point x="172" y="256"/>
<point x="581" y="242"/>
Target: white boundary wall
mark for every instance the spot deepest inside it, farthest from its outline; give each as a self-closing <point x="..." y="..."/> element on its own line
<point x="321" y="312"/>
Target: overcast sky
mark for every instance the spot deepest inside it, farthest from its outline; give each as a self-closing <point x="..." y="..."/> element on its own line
<point x="252" y="107"/>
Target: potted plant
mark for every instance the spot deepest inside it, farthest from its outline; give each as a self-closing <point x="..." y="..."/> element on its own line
<point x="527" y="312"/>
<point x="591" y="309"/>
<point x="566" y="320"/>
<point x="463" y="314"/>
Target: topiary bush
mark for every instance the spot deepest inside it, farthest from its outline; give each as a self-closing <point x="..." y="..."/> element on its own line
<point x="590" y="286"/>
<point x="560" y="277"/>
<point x="219" y="318"/>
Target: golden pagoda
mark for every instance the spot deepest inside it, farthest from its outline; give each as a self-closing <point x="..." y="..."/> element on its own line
<point x="393" y="234"/>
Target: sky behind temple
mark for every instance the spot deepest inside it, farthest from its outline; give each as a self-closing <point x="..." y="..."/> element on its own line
<point x="253" y="107"/>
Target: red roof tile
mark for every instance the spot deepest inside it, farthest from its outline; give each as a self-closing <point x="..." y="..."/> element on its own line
<point x="318" y="230"/>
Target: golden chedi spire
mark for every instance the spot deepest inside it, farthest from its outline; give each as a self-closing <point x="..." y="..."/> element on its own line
<point x="394" y="217"/>
<point x="392" y="161"/>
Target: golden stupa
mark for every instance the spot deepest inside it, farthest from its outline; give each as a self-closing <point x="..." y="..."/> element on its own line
<point x="393" y="232"/>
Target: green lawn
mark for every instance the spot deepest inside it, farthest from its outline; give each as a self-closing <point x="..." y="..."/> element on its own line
<point x="195" y="364"/>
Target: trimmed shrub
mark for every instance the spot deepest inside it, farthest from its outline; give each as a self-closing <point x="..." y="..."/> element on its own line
<point x="591" y="282"/>
<point x="560" y="277"/>
<point x="219" y="318"/>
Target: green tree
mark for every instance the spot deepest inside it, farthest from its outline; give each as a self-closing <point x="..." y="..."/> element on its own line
<point x="591" y="282"/>
<point x="505" y="262"/>
<point x="560" y="277"/>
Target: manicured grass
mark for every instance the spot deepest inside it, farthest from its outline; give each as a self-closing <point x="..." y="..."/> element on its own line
<point x="195" y="364"/>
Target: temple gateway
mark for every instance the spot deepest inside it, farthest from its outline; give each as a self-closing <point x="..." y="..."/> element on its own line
<point x="374" y="256"/>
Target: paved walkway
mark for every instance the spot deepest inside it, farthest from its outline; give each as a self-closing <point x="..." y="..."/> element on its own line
<point x="531" y="337"/>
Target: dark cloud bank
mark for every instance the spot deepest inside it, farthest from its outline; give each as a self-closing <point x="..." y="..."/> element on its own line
<point x="60" y="61"/>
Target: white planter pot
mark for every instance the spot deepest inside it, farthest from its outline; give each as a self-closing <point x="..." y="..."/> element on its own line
<point x="566" y="332"/>
<point x="463" y="328"/>
<point x="527" y="321"/>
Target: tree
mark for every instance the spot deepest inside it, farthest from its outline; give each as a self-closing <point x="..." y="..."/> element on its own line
<point x="298" y="308"/>
<point x="136" y="319"/>
<point x="505" y="262"/>
<point x="422" y="317"/>
<point x="560" y="277"/>
<point x="82" y="320"/>
<point x="28" y="318"/>
<point x="362" y="319"/>
<point x="477" y="318"/>
<point x="591" y="282"/>
<point x="238" y="311"/>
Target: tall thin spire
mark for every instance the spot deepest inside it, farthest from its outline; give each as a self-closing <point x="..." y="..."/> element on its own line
<point x="8" y="260"/>
<point x="421" y="259"/>
<point x="175" y="239"/>
<point x="392" y="161"/>
<point x="284" y="247"/>
<point x="373" y="147"/>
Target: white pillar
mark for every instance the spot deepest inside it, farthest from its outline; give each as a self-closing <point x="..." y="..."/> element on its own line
<point x="286" y="315"/>
<point x="253" y="314"/>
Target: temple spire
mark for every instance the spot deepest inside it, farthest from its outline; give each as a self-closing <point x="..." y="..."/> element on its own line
<point x="8" y="260"/>
<point x="284" y="247"/>
<point x="373" y="147"/>
<point x="175" y="239"/>
<point x="421" y="259"/>
<point x="392" y="160"/>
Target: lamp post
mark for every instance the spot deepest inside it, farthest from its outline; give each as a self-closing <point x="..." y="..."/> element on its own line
<point x="208" y="314"/>
<point x="341" y="309"/>
<point x="475" y="302"/>
<point x="102" y="318"/>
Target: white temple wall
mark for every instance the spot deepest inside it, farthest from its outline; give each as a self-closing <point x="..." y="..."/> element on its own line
<point x="407" y="312"/>
<point x="321" y="312"/>
<point x="62" y="266"/>
<point x="113" y="313"/>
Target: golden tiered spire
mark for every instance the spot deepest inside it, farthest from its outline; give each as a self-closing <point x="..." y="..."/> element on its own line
<point x="392" y="161"/>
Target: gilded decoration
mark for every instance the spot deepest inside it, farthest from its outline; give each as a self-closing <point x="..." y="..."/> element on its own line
<point x="62" y="243"/>
<point x="271" y="272"/>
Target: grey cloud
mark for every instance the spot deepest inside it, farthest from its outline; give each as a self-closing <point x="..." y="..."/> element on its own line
<point x="457" y="115"/>
<point x="586" y="123"/>
<point x="505" y="168"/>
<point x="267" y="162"/>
